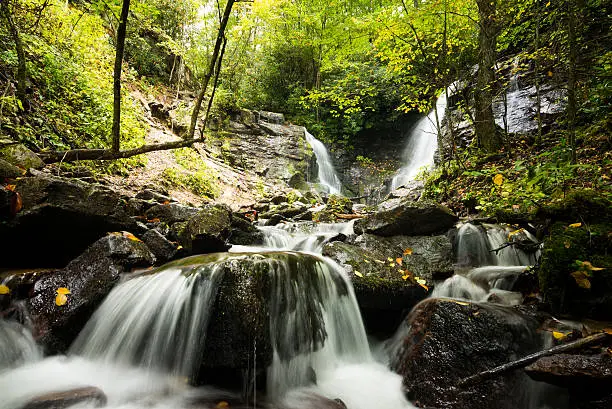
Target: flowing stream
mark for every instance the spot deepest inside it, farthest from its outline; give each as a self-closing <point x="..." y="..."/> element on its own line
<point x="328" y="178"/>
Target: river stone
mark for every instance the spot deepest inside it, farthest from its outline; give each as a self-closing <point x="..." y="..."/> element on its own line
<point x="171" y="212"/>
<point x="402" y="216"/>
<point x="163" y="249"/>
<point x="89" y="278"/>
<point x="444" y="341"/>
<point x="8" y="171"/>
<point x="208" y="231"/>
<point x="19" y="155"/>
<point x="60" y="218"/>
<point x="65" y="399"/>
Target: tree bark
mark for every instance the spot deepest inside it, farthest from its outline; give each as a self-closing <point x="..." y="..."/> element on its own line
<point x="214" y="90"/>
<point x="22" y="72"/>
<point x="211" y="68"/>
<point x="484" y="121"/>
<point x="523" y="362"/>
<point x="119" y="48"/>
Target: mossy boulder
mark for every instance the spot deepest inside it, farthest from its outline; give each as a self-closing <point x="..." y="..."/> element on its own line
<point x="565" y="250"/>
<point x="403" y="216"/>
<point x="339" y="204"/>
<point x="208" y="231"/>
<point x="19" y="155"/>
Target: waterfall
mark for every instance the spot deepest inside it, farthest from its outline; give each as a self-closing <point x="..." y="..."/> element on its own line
<point x="18" y="346"/>
<point x="328" y="177"/>
<point x="422" y="145"/>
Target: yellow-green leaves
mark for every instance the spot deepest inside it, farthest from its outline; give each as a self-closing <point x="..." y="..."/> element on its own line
<point x="583" y="274"/>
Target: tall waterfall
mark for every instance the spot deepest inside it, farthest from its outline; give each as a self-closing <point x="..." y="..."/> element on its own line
<point x="328" y="177"/>
<point x="422" y="145"/>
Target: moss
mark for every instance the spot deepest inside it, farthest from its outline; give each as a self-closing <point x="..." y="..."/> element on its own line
<point x="566" y="245"/>
<point x="339" y="204"/>
<point x="586" y="205"/>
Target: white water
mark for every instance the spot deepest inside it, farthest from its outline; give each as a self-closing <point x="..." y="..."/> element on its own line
<point x="17" y="346"/>
<point x="328" y="178"/>
<point x="422" y="144"/>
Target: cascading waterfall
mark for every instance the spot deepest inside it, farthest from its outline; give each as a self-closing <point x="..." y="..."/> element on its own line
<point x="18" y="346"/>
<point x="422" y="145"/>
<point x="328" y="178"/>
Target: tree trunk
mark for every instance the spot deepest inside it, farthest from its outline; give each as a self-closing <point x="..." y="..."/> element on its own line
<point x="484" y="122"/>
<point x="211" y="68"/>
<point x="22" y="73"/>
<point x="214" y="90"/>
<point x="120" y="46"/>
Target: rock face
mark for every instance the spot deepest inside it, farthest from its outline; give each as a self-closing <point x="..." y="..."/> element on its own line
<point x="89" y="278"/>
<point x="405" y="217"/>
<point x="60" y="218"/>
<point x="449" y="340"/>
<point x="263" y="144"/>
<point x="587" y="377"/>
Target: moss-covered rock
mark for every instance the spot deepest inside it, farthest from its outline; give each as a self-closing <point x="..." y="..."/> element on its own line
<point x="582" y="205"/>
<point x="19" y="155"/>
<point x="339" y="204"/>
<point x="565" y="249"/>
<point x="208" y="231"/>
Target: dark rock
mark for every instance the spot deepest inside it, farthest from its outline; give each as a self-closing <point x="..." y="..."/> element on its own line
<point x="89" y="278"/>
<point x="447" y="340"/>
<point x="65" y="399"/>
<point x="286" y="210"/>
<point x="244" y="232"/>
<point x="275" y="219"/>
<point x="208" y="231"/>
<point x="278" y="199"/>
<point x="304" y="217"/>
<point x="149" y="194"/>
<point x="405" y="217"/>
<point x="60" y="218"/>
<point x="171" y="212"/>
<point x="298" y="181"/>
<point x="159" y="111"/>
<point x="163" y="249"/>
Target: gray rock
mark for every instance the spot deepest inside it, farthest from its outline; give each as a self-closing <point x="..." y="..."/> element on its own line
<point x="9" y="171"/>
<point x="405" y="217"/>
<point x="89" y="278"/>
<point x="271" y="117"/>
<point x="61" y="218"/>
<point x="208" y="231"/>
<point x="171" y="212"/>
<point x="163" y="249"/>
<point x="65" y="399"/>
<point x="19" y="155"/>
<point x="444" y="341"/>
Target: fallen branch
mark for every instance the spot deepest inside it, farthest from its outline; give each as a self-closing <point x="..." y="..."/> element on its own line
<point x="349" y="216"/>
<point x="523" y="362"/>
<point x="107" y="154"/>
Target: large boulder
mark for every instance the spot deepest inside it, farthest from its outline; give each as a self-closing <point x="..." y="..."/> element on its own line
<point x="445" y="341"/>
<point x="402" y="216"/>
<point x="208" y="231"/>
<point x="171" y="212"/>
<point x="88" y="278"/>
<point x="60" y="218"/>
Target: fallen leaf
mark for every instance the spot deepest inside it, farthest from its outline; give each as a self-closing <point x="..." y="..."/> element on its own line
<point x="389" y="259"/>
<point x="559" y="335"/>
<point x="582" y="279"/>
<point x="405" y="276"/>
<point x="358" y="274"/>
<point x="61" y="299"/>
<point x="10" y="187"/>
<point x="4" y="289"/>
<point x="222" y="405"/>
<point x="575" y="225"/>
<point x="498" y="179"/>
<point x="424" y="286"/>
<point x="62" y="290"/>
<point x="130" y="236"/>
<point x="154" y="220"/>
<point x="408" y="251"/>
<point x="399" y="261"/>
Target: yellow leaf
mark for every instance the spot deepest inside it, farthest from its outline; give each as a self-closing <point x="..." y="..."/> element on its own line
<point x="179" y="247"/>
<point x="405" y="276"/>
<point x="460" y="302"/>
<point x="581" y="279"/>
<point x="399" y="261"/>
<point x="391" y="265"/>
<point x="358" y="274"/>
<point x="61" y="299"/>
<point x="62" y="290"/>
<point x="222" y="405"/>
<point x="548" y="4"/>
<point x="408" y="251"/>
<point x="512" y="233"/>
<point x="4" y="289"/>
<point x="424" y="286"/>
<point x="550" y="74"/>
<point x="498" y="179"/>
<point x="389" y="259"/>
<point x="559" y="335"/>
<point x="575" y="225"/>
<point x="367" y="261"/>
<point x="588" y="266"/>
<point x="130" y="236"/>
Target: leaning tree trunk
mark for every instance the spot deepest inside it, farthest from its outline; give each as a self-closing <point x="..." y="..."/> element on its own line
<point x="484" y="121"/>
<point x="21" y="59"/>
<point x="120" y="46"/>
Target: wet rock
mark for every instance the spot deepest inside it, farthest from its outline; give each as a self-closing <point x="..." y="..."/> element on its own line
<point x="163" y="249"/>
<point x="19" y="155"/>
<point x="587" y="377"/>
<point x="8" y="171"/>
<point x="171" y="212"/>
<point x="405" y="217"/>
<point x="448" y="340"/>
<point x="339" y="204"/>
<point x="149" y="194"/>
<point x="89" y="278"/>
<point x="65" y="399"/>
<point x="244" y="232"/>
<point x="285" y="210"/>
<point x="208" y="231"/>
<point x="60" y="218"/>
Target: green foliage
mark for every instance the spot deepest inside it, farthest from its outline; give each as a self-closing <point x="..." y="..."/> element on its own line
<point x="193" y="174"/>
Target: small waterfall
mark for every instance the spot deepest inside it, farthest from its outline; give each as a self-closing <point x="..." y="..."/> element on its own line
<point x="17" y="345"/>
<point x="328" y="177"/>
<point x="422" y="145"/>
<point x="307" y="236"/>
<point x="156" y="321"/>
